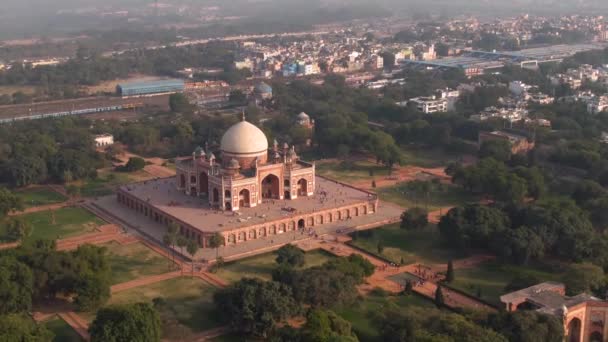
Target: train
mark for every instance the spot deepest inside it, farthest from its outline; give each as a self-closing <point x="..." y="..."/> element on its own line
<point x="72" y="112"/>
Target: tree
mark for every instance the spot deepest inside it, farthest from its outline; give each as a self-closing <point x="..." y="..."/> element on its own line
<point x="18" y="229"/>
<point x="181" y="243"/>
<point x="472" y="226"/>
<point x="215" y="241"/>
<point x="497" y="149"/>
<point x="179" y="103"/>
<point x="134" y="164"/>
<point x="126" y="323"/>
<point x="526" y="326"/>
<point x="73" y="191"/>
<point x="380" y="247"/>
<point x="255" y="307"/>
<point x="449" y="275"/>
<point x="409" y="287"/>
<point x="192" y="247"/>
<point x="439" y="300"/>
<point x="169" y="241"/>
<point x="325" y="326"/>
<point x="9" y="202"/>
<point x="16" y="286"/>
<point x="19" y="327"/>
<point x="584" y="277"/>
<point x="414" y="218"/>
<point x="290" y="255"/>
<point x="520" y="245"/>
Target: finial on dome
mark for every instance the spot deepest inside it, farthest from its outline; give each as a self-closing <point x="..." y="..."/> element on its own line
<point x="243" y="115"/>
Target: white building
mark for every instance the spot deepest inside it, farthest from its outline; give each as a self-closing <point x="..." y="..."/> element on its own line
<point x="431" y="104"/>
<point x="103" y="140"/>
<point x="451" y="95"/>
<point x="598" y="104"/>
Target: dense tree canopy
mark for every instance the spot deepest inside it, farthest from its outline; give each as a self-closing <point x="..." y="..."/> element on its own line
<point x="255" y="307"/>
<point x="126" y="323"/>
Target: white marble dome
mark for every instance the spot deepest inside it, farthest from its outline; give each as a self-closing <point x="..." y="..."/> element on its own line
<point x="244" y="139"/>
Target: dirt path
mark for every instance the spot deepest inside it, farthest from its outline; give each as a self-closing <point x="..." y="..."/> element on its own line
<point x="40" y="208"/>
<point x="143" y="281"/>
<point x="104" y="234"/>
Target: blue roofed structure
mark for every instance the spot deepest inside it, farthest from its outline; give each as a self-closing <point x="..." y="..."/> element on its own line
<point x="150" y="87"/>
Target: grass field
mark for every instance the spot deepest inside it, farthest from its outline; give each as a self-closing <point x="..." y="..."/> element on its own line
<point x="40" y="196"/>
<point x="413" y="246"/>
<point x="187" y="309"/>
<point x="488" y="280"/>
<point x="350" y="171"/>
<point x="425" y="157"/>
<point x="63" y="331"/>
<point x="107" y="180"/>
<point x="360" y="314"/>
<point x="261" y="266"/>
<point x="134" y="260"/>
<point x="69" y="221"/>
<point x="448" y="196"/>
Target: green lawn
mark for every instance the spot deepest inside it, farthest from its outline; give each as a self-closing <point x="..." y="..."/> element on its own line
<point x="63" y="331"/>
<point x="261" y="266"/>
<point x="40" y="196"/>
<point x="107" y="180"/>
<point x="446" y="196"/>
<point x="489" y="279"/>
<point x="413" y="246"/>
<point x="350" y="171"/>
<point x="134" y="260"/>
<point x="69" y="221"/>
<point x="425" y="156"/>
<point x="188" y="305"/>
<point x="361" y="313"/>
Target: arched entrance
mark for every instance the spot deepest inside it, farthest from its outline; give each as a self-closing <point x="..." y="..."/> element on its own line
<point x="301" y="224"/>
<point x="182" y="181"/>
<point x="574" y="330"/>
<point x="287" y="194"/>
<point x="596" y="336"/>
<point x="244" y="198"/>
<point x="193" y="191"/>
<point x="302" y="187"/>
<point x="228" y="205"/>
<point x="270" y="187"/>
<point x="216" y="195"/>
<point x="203" y="183"/>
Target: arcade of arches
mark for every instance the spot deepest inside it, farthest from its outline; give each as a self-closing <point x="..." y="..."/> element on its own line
<point x="233" y="236"/>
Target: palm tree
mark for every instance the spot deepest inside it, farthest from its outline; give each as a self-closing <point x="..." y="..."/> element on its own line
<point x="192" y="247"/>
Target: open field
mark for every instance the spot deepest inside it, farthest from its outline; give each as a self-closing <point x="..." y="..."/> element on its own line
<point x="40" y="196"/>
<point x="449" y="196"/>
<point x="134" y="260"/>
<point x="360" y="314"/>
<point x="186" y="306"/>
<point x="350" y="171"/>
<point x="413" y="246"/>
<point x="63" y="331"/>
<point x="10" y="90"/>
<point x="261" y="266"/>
<point x="61" y="223"/>
<point x="488" y="280"/>
<point x="107" y="180"/>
